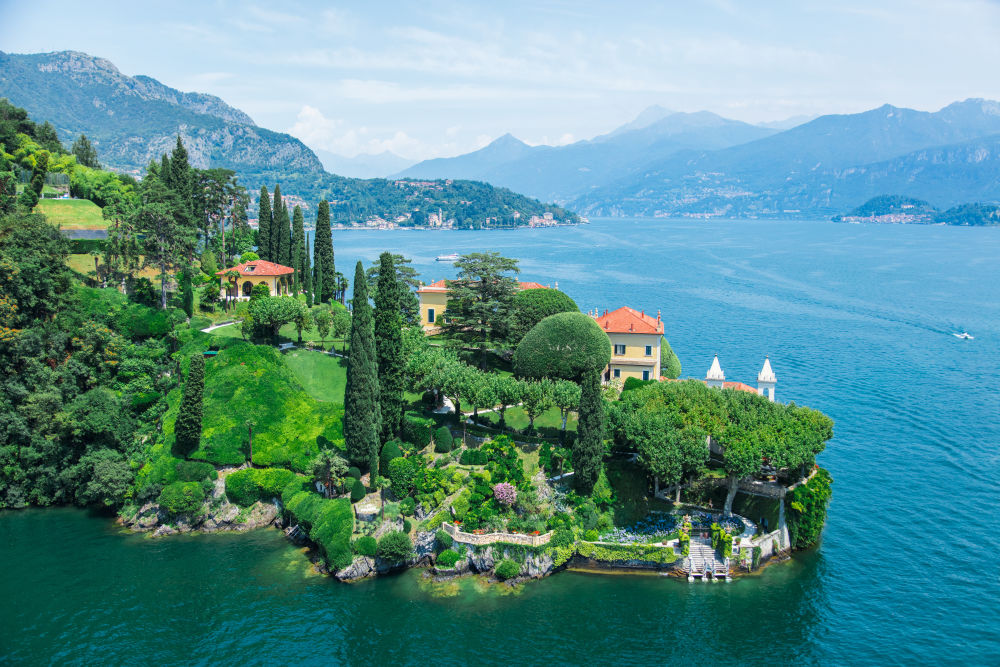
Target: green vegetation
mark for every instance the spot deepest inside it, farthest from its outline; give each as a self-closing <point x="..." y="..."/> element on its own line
<point x="328" y="522"/>
<point x="446" y="559"/>
<point x="395" y="547"/>
<point x="362" y="418"/>
<point x="507" y="569"/>
<point x="670" y="365"/>
<point x="480" y="301"/>
<point x="388" y="323"/>
<point x="442" y="440"/>
<point x="324" y="281"/>
<point x="321" y="375"/>
<point x="806" y="509"/>
<point x="588" y="449"/>
<point x="358" y="491"/>
<point x="187" y="428"/>
<point x="365" y="545"/>
<point x="569" y="346"/>
<point x="181" y="497"/>
<point x="72" y="213"/>
<point x="247" y="486"/>
<point x="531" y="306"/>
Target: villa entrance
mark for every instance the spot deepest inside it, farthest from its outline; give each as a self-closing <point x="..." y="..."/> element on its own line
<point x="247" y="288"/>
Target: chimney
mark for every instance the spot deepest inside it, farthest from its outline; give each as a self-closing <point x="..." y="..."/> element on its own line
<point x="631" y="326"/>
<point x="643" y="312"/>
<point x="657" y="316"/>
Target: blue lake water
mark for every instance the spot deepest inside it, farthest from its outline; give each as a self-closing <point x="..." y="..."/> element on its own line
<point x="858" y="322"/>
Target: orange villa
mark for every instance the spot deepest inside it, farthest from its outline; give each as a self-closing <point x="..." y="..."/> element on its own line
<point x="635" y="344"/>
<point x="253" y="273"/>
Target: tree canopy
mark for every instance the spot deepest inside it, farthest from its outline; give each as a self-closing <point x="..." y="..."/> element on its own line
<point x="531" y="306"/>
<point x="564" y="345"/>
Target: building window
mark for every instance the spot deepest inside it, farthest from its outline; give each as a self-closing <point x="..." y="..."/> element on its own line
<point x="430" y="316"/>
<point x="645" y="375"/>
<point x="649" y="350"/>
<point x="617" y="372"/>
<point x="619" y="349"/>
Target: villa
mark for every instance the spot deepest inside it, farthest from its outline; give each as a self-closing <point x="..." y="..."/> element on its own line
<point x="434" y="301"/>
<point x="253" y="273"/>
<point x="635" y="344"/>
<point x="766" y="380"/>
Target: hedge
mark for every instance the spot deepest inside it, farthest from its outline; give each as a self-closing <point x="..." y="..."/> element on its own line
<point x="195" y="471"/>
<point x="417" y="429"/>
<point x="358" y="491"/>
<point x="247" y="486"/>
<point x="329" y="523"/>
<point x="620" y="553"/>
<point x="390" y="451"/>
<point x="806" y="509"/>
<point x="354" y="472"/>
<point x="473" y="457"/>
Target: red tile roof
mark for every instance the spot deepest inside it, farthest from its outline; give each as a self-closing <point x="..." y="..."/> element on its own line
<point x="258" y="267"/>
<point x="532" y="286"/>
<point x="629" y="320"/>
<point x="739" y="386"/>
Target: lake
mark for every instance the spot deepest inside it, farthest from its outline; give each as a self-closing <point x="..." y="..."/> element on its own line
<point x="857" y="321"/>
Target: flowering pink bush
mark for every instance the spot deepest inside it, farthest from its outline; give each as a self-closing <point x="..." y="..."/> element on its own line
<point x="505" y="493"/>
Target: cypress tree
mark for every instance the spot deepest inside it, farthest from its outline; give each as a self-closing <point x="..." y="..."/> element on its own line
<point x="187" y="292"/>
<point x="389" y="346"/>
<point x="323" y="255"/>
<point x="361" y="396"/>
<point x="588" y="450"/>
<point x="187" y="428"/>
<point x="307" y="282"/>
<point x="264" y="229"/>
<point x="298" y="249"/>
<point x="277" y="204"/>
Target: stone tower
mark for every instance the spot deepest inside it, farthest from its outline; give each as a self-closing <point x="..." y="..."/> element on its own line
<point x="766" y="380"/>
<point x="715" y="377"/>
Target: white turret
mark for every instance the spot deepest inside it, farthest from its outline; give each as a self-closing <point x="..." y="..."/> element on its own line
<point x="766" y="380"/>
<point x="715" y="377"/>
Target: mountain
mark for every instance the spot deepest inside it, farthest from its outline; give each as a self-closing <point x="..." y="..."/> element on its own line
<point x="476" y="165"/>
<point x="822" y="166"/>
<point x="787" y="123"/>
<point x="646" y="117"/>
<point x="565" y="172"/>
<point x="364" y="165"/>
<point x="132" y="120"/>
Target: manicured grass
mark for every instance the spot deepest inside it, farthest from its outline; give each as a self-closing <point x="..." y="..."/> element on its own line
<point x="287" y="334"/>
<point x="548" y="424"/>
<point x="321" y="375"/>
<point x="253" y="382"/>
<point x="72" y="213"/>
<point x="84" y="264"/>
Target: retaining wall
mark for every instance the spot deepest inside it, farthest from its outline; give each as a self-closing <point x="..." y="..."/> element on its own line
<point x="491" y="538"/>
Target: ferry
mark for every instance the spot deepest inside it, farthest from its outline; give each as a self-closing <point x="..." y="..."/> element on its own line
<point x="453" y="257"/>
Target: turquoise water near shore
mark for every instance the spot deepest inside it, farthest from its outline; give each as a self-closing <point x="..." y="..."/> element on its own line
<point x="857" y="321"/>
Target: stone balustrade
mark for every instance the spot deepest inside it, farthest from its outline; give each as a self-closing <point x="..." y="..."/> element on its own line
<point x="491" y="538"/>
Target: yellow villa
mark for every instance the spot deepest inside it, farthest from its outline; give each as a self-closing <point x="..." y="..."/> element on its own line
<point x="635" y="344"/>
<point x="253" y="273"/>
<point x="434" y="300"/>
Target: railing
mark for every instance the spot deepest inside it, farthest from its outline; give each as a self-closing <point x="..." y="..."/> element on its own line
<point x="491" y="538"/>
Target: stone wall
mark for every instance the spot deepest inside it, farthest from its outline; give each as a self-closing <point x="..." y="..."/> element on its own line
<point x="491" y="538"/>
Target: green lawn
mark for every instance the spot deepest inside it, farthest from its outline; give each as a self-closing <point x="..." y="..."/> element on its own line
<point x="547" y="424"/>
<point x="321" y="375"/>
<point x="253" y="382"/>
<point x="72" y="213"/>
<point x="287" y="334"/>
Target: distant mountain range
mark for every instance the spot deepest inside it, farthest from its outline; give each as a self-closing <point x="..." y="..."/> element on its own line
<point x="133" y="120"/>
<point x="700" y="164"/>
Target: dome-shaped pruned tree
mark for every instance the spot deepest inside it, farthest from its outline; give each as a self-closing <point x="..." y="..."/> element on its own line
<point x="531" y="306"/>
<point x="564" y="345"/>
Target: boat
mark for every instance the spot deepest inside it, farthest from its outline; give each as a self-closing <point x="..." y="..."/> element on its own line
<point x="965" y="335"/>
<point x="453" y="257"/>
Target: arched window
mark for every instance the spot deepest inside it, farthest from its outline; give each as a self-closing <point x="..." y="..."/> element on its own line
<point x="247" y="288"/>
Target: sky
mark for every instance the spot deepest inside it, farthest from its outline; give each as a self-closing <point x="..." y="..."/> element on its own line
<point x="433" y="78"/>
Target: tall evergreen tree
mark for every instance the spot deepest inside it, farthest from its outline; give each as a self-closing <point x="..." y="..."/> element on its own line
<point x="187" y="428"/>
<point x="588" y="450"/>
<point x="362" y="418"/>
<point x="264" y="225"/>
<point x="181" y="179"/>
<point x="187" y="292"/>
<point x="307" y="274"/>
<point x="389" y="346"/>
<point x="85" y="152"/>
<point x="280" y="234"/>
<point x="298" y="249"/>
<point x="326" y="285"/>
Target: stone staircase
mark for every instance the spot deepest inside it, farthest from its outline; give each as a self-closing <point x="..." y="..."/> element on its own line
<point x="701" y="561"/>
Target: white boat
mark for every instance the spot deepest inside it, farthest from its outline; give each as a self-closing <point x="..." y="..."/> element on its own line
<point x="448" y="258"/>
<point x="965" y="335"/>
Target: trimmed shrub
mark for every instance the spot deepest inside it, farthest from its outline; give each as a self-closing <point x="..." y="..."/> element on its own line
<point x="195" y="471"/>
<point x="417" y="430"/>
<point x="473" y="457"/>
<point x="565" y="345"/>
<point x="295" y="486"/>
<point x="329" y="522"/>
<point x="400" y="472"/>
<point x="247" y="486"/>
<point x="443" y="440"/>
<point x="365" y="546"/>
<point x="358" y="491"/>
<point x="395" y="547"/>
<point x="507" y="569"/>
<point x="444" y="539"/>
<point x="447" y="559"/>
<point x="407" y="526"/>
<point x="390" y="451"/>
<point x="407" y="506"/>
<point x="354" y="472"/>
<point x="181" y="497"/>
